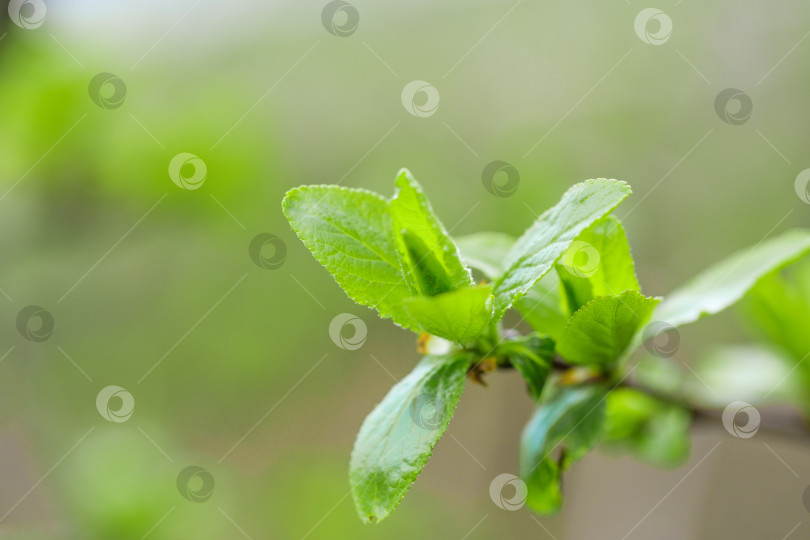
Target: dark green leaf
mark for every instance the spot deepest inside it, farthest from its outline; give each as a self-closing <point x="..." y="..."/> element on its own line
<point x="431" y="261"/>
<point x="532" y="358"/>
<point x="397" y="438"/>
<point x="562" y="431"/>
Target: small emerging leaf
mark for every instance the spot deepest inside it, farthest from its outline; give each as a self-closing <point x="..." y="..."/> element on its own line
<point x="430" y="259"/>
<point x="397" y="438"/>
<point x="598" y="263"/>
<point x="600" y="331"/>
<point x="459" y="316"/>
<point x="536" y="251"/>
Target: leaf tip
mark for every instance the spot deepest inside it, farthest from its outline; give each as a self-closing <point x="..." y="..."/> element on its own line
<point x="294" y="195"/>
<point x="285" y="201"/>
<point x="404" y="173"/>
<point x="404" y="180"/>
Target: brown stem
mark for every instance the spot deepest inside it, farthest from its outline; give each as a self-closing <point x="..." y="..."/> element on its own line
<point x="787" y="425"/>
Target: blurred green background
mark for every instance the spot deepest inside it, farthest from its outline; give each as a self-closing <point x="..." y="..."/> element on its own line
<point x="248" y="384"/>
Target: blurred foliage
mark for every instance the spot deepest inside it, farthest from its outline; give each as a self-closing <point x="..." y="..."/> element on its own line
<point x="66" y="202"/>
<point x="655" y="432"/>
<point x="773" y="368"/>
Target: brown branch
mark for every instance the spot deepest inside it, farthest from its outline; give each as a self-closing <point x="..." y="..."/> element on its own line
<point x="791" y="426"/>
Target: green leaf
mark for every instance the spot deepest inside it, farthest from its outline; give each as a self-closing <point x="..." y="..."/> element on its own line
<point x="777" y="308"/>
<point x="652" y="431"/>
<point x="431" y="261"/>
<point x="459" y="316"/>
<point x="562" y="431"/>
<point x="726" y="282"/>
<point x="759" y="375"/>
<point x="600" y="331"/>
<point x="486" y="251"/>
<point x="397" y="438"/>
<point x="534" y="253"/>
<point x="598" y="263"/>
<point x="533" y="359"/>
<point x="542" y="307"/>
<point x="349" y="231"/>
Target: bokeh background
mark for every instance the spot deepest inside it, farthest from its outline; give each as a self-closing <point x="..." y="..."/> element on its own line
<point x="231" y="366"/>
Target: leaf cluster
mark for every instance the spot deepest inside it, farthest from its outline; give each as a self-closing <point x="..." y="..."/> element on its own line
<point x="572" y="278"/>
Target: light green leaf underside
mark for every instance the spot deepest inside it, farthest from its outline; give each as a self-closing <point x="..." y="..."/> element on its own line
<point x="598" y="263"/>
<point x="600" y="331"/>
<point x="486" y="251"/>
<point x="726" y="282"/>
<point x="430" y="258"/>
<point x="569" y="424"/>
<point x="536" y="251"/>
<point x="349" y="231"/>
<point x="459" y="315"/>
<point x="756" y="374"/>
<point x="397" y="438"/>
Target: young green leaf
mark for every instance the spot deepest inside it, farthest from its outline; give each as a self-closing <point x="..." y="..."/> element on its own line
<point x="397" y="438"/>
<point x="534" y="253"/>
<point x="542" y="307"/>
<point x="562" y="431"/>
<point x="726" y="282"/>
<point x="459" y="315"/>
<point x="430" y="259"/>
<point x="778" y="307"/>
<point x="600" y="331"/>
<point x="598" y="263"/>
<point x="427" y="274"/>
<point x="486" y="251"/>
<point x="653" y="431"/>
<point x="349" y="231"/>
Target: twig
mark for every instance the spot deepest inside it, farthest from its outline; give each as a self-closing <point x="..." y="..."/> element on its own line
<point x="789" y="426"/>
